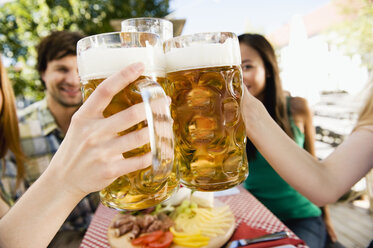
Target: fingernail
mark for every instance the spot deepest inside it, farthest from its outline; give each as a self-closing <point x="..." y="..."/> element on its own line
<point x="139" y="66"/>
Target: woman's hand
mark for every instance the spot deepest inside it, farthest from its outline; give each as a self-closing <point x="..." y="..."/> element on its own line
<point x="252" y="110"/>
<point x="90" y="156"/>
<point x="89" y="159"/>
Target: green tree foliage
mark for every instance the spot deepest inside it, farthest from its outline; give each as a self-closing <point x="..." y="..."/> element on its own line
<point x="356" y="33"/>
<point x="24" y="22"/>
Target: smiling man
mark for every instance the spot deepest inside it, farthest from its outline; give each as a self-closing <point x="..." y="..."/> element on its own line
<point x="44" y="124"/>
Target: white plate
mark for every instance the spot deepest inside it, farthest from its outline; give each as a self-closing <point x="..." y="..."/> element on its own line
<point x="122" y="241"/>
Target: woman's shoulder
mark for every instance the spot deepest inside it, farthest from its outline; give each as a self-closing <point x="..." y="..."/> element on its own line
<point x="299" y="106"/>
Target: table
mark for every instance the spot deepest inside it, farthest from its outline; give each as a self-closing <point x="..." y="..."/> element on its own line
<point x="244" y="206"/>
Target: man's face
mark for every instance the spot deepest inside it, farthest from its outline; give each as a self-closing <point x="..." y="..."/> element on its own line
<point x="62" y="81"/>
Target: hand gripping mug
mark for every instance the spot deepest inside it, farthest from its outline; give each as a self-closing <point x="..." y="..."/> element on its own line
<point x="99" y="56"/>
<point x="205" y="84"/>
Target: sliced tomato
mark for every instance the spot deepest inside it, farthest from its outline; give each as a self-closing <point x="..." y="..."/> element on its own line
<point x="147" y="238"/>
<point x="164" y="242"/>
<point x="138" y="241"/>
<point x="153" y="236"/>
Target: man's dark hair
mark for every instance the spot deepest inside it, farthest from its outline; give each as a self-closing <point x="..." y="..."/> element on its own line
<point x="56" y="46"/>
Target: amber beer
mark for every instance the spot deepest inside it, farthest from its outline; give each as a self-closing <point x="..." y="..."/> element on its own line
<point x="205" y="80"/>
<point x="98" y="57"/>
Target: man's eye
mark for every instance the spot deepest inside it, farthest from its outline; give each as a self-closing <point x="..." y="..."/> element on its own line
<point x="62" y="69"/>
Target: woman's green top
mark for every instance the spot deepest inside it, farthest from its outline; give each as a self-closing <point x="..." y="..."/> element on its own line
<point x="269" y="188"/>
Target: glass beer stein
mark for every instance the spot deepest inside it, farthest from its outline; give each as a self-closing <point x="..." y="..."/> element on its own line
<point x="101" y="55"/>
<point x="161" y="27"/>
<point x="205" y="80"/>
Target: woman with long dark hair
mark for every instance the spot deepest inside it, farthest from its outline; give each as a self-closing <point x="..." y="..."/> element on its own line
<point x="261" y="78"/>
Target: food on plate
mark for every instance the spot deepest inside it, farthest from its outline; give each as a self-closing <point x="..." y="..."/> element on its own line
<point x="203" y="199"/>
<point x="189" y="239"/>
<point x="209" y="221"/>
<point x="185" y="220"/>
<point x="157" y="239"/>
<point x="195" y="226"/>
<point x="135" y="225"/>
<point x="175" y="200"/>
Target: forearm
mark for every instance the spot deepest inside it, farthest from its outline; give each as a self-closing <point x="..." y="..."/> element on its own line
<point x="293" y="163"/>
<point x="89" y="159"/>
<point x="3" y="207"/>
<point x="38" y="214"/>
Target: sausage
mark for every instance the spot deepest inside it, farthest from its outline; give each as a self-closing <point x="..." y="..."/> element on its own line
<point x="145" y="221"/>
<point x="134" y="232"/>
<point x="155" y="226"/>
<point x="122" y="220"/>
<point x="123" y="229"/>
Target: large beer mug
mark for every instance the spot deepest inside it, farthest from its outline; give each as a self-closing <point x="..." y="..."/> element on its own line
<point x="162" y="27"/>
<point x="99" y="56"/>
<point x="205" y="80"/>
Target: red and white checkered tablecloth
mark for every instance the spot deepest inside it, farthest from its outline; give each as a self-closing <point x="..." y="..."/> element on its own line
<point x="248" y="209"/>
<point x="244" y="206"/>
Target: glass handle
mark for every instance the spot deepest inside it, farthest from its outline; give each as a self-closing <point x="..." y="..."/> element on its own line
<point x="159" y="122"/>
<point x="146" y="97"/>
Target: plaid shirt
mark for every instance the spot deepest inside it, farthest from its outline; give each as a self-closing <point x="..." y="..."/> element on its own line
<point x="40" y="138"/>
<point x="8" y="178"/>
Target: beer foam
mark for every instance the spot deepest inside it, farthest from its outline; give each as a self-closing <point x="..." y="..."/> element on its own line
<point x="101" y="62"/>
<point x="204" y="55"/>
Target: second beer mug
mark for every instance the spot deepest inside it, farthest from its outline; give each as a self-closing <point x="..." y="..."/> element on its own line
<point x="101" y="55"/>
<point x="205" y="83"/>
<point x="159" y="26"/>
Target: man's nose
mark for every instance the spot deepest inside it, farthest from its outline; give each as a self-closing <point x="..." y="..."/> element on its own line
<point x="73" y="77"/>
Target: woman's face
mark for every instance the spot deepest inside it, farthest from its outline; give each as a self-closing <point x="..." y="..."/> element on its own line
<point x="254" y="75"/>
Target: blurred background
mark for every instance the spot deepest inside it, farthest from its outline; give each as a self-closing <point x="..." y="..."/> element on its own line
<point x="324" y="48"/>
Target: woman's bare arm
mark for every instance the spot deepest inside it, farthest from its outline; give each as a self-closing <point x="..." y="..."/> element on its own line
<point x="321" y="182"/>
<point x="4" y="207"/>
<point x="303" y="117"/>
<point x="89" y="159"/>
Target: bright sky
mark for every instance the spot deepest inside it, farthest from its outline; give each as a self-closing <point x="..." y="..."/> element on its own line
<point x="264" y="16"/>
<point x="239" y="16"/>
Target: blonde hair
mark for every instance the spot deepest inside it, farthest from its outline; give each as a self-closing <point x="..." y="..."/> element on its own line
<point x="9" y="132"/>
<point x="366" y="114"/>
